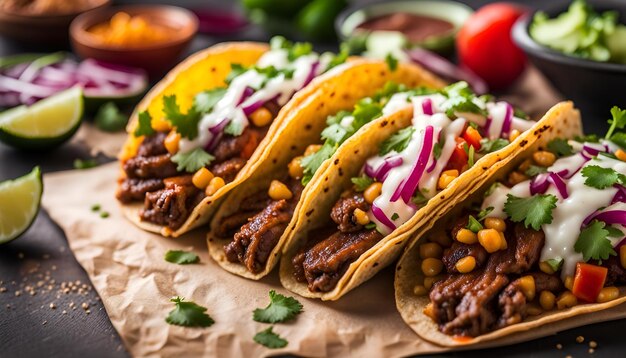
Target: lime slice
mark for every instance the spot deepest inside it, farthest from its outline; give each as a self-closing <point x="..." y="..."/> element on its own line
<point x="46" y="123"/>
<point x="19" y="204"/>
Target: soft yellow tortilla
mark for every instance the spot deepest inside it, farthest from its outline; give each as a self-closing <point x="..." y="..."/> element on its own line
<point x="566" y="124"/>
<point x="319" y="201"/>
<point x="337" y="90"/>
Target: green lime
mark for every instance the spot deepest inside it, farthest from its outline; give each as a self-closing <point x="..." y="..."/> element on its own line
<point x="19" y="204"/>
<point x="317" y="19"/>
<point x="46" y="123"/>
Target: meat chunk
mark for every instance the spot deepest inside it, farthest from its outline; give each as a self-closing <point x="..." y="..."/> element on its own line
<point x="152" y="145"/>
<point x="459" y="250"/>
<point x="134" y="189"/>
<point x="616" y="274"/>
<point x="158" y="166"/>
<point x="342" y="212"/>
<point x="325" y="263"/>
<point x="241" y="146"/>
<point x="170" y="206"/>
<point x="523" y="250"/>
<point x="229" y="169"/>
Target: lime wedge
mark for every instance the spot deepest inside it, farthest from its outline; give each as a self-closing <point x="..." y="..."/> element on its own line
<point x="46" y="123"/>
<point x="19" y="204"/>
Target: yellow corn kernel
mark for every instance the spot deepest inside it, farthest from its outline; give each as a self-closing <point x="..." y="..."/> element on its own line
<point x="569" y="282"/>
<point x="312" y="149"/>
<point x="214" y="185"/>
<point x="444" y="181"/>
<point x="171" y="142"/>
<point x="430" y="250"/>
<point x="202" y="178"/>
<point x="429" y="311"/>
<point x="466" y="264"/>
<point x="495" y="223"/>
<point x="261" y="117"/>
<point x="372" y="192"/>
<point x="361" y="217"/>
<point x="430" y="281"/>
<point x="420" y="290"/>
<point x="441" y="238"/>
<point x="160" y="124"/>
<point x="513" y="135"/>
<point x="533" y="309"/>
<point x="547" y="300"/>
<point x="503" y="243"/>
<point x="622" y="256"/>
<point x="621" y="155"/>
<point x="466" y="236"/>
<point x="279" y="191"/>
<point x="490" y="239"/>
<point x="527" y="285"/>
<point x="432" y="267"/>
<point x="451" y="172"/>
<point x="295" y="168"/>
<point x="566" y="300"/>
<point x="517" y="177"/>
<point x="608" y="294"/>
<point x="544" y="267"/>
<point x="544" y="158"/>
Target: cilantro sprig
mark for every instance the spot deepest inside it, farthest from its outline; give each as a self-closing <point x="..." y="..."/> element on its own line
<point x="460" y="99"/>
<point x="398" y="141"/>
<point x="560" y="147"/>
<point x="362" y="182"/>
<point x="144" y="125"/>
<point x="206" y="100"/>
<point x="186" y="123"/>
<point x="188" y="314"/>
<point x="593" y="242"/>
<point x="533" y="211"/>
<point x="491" y="145"/>
<point x="473" y="224"/>
<point x="617" y="122"/>
<point x="193" y="160"/>
<point x="392" y="62"/>
<point x="280" y="309"/>
<point x="602" y="178"/>
<point x="181" y="257"/>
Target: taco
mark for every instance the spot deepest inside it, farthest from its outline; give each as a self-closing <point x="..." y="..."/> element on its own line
<point x="208" y="125"/>
<point x="390" y="179"/>
<point x="539" y="240"/>
<point x="251" y="225"/>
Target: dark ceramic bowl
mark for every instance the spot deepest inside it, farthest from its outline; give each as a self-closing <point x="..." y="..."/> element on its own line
<point x="155" y="58"/>
<point x="593" y="86"/>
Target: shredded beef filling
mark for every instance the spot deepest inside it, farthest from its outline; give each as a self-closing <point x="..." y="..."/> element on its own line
<point x="259" y="231"/>
<point x="324" y="259"/>
<point x="170" y="206"/>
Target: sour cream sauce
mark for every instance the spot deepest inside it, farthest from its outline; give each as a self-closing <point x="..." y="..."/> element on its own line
<point x="568" y="216"/>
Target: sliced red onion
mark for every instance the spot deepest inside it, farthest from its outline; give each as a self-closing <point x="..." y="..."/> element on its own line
<point x="216" y="22"/>
<point x="245" y="95"/>
<point x="380" y="215"/>
<point x="217" y="131"/>
<point x="312" y="73"/>
<point x="610" y="217"/>
<point x="249" y="109"/>
<point x="382" y="171"/>
<point x="432" y="166"/>
<point x="445" y="68"/>
<point x="592" y="152"/>
<point x="409" y="185"/>
<point x="620" y="196"/>
<point x="508" y="119"/>
<point x="559" y="184"/>
<point x="427" y="106"/>
<point x="540" y="183"/>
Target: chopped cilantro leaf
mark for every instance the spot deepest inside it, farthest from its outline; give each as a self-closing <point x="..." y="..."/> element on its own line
<point x="590" y="138"/>
<point x="617" y="122"/>
<point x="144" y="125"/>
<point x="334" y="133"/>
<point x="534" y="170"/>
<point x="364" y="112"/>
<point x="395" y="216"/>
<point x="341" y="57"/>
<point x="312" y="162"/>
<point x="419" y="199"/>
<point x="593" y="243"/>
<point x="437" y="149"/>
<point x="491" y="145"/>
<point x="460" y="100"/>
<point x="370" y="226"/>
<point x="392" y="62"/>
<point x="361" y="183"/>
<point x="533" y="211"/>
<point x="206" y="100"/>
<point x="336" y="119"/>
<point x="181" y="257"/>
<point x="602" y="178"/>
<point x="614" y="232"/>
<point x="270" y="339"/>
<point x="186" y="124"/>
<point x="555" y="264"/>
<point x="192" y="161"/>
<point x="234" y="128"/>
<point x="517" y="112"/>
<point x="483" y="213"/>
<point x="235" y="70"/>
<point x="299" y="49"/>
<point x="109" y="118"/>
<point x="473" y="224"/>
<point x="278" y="42"/>
<point x="398" y="141"/>
<point x="85" y="164"/>
<point x="280" y="309"/>
<point x="389" y="89"/>
<point x="619" y="138"/>
<point x="95" y="207"/>
<point x="188" y="314"/>
<point x="560" y="147"/>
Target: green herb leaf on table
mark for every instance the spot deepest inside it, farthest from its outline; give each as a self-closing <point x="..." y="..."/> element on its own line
<point x="593" y="242"/>
<point x="188" y="314"/>
<point x="270" y="339"/>
<point x="110" y="119"/>
<point x="181" y="257"/>
<point x="533" y="211"/>
<point x="392" y="62"/>
<point x="491" y="145"/>
<point x="280" y="309"/>
<point x="192" y="161"/>
<point x="206" y="100"/>
<point x="398" y="141"/>
<point x="473" y="225"/>
<point x="85" y="164"/>
<point x="186" y="123"/>
<point x="144" y="125"/>
<point x="361" y="183"/>
<point x="602" y="178"/>
<point x="560" y="147"/>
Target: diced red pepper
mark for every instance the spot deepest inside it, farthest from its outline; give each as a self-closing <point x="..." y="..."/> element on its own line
<point x="459" y="156"/>
<point x="472" y="137"/>
<point x="250" y="147"/>
<point x="588" y="281"/>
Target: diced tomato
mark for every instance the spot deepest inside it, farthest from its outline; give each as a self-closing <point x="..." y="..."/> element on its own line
<point x="459" y="156"/>
<point x="588" y="281"/>
<point x="472" y="137"/>
<point x="250" y="146"/>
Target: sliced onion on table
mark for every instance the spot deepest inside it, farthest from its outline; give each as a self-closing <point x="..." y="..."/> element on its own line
<point x="439" y="65"/>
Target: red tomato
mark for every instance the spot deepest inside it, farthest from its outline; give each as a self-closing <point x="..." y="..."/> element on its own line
<point x="485" y="46"/>
<point x="588" y="281"/>
<point x="459" y="157"/>
<point x="472" y="137"/>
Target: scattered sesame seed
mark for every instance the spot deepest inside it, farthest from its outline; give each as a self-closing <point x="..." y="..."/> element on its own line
<point x="64" y="312"/>
<point x="44" y="322"/>
<point x="20" y="255"/>
<point x="88" y="311"/>
<point x="18" y="293"/>
<point x="591" y="350"/>
<point x="3" y="289"/>
<point x="568" y="356"/>
<point x="53" y="306"/>
<point x="46" y="256"/>
<point x="8" y="306"/>
<point x="85" y="305"/>
<point x="559" y="346"/>
<point x="593" y="344"/>
<point x="580" y="339"/>
<point x="54" y="267"/>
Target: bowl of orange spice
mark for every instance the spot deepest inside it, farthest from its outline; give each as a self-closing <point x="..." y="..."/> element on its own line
<point x="152" y="37"/>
